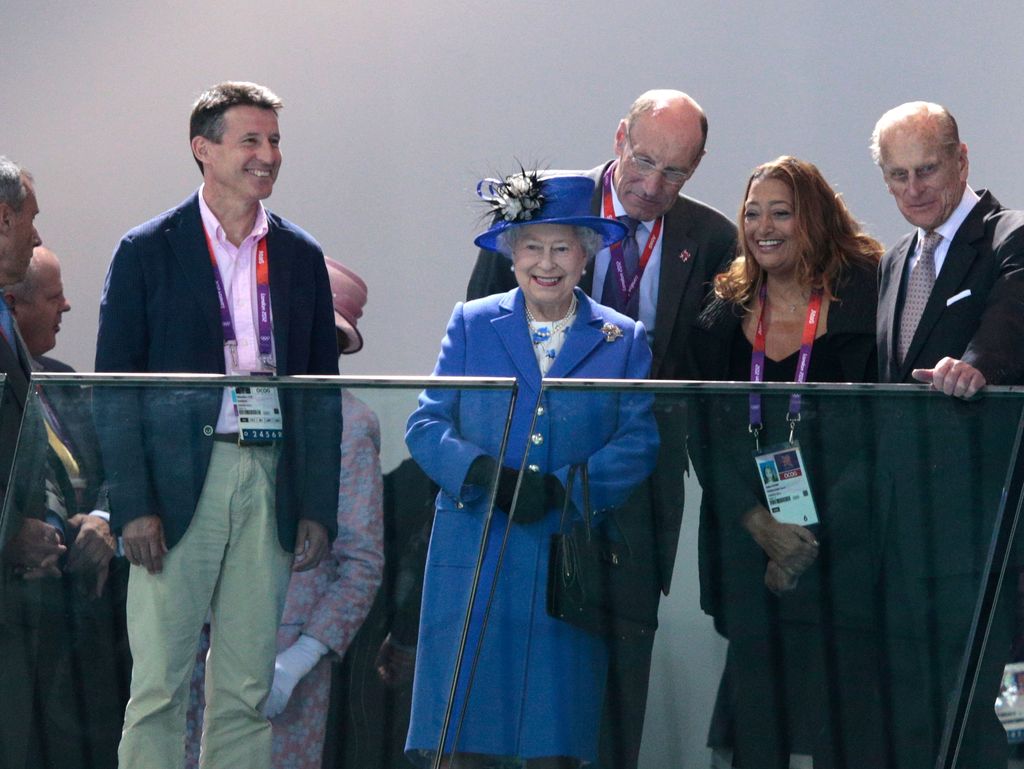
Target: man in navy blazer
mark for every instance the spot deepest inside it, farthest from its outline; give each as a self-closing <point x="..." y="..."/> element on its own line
<point x="209" y="516"/>
<point x="943" y="462"/>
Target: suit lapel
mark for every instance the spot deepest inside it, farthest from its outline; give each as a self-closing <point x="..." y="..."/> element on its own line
<point x="584" y="335"/>
<point x="188" y="244"/>
<point x="279" y="252"/>
<point x="678" y="255"/>
<point x="888" y="308"/>
<point x="959" y="259"/>
<point x="513" y="331"/>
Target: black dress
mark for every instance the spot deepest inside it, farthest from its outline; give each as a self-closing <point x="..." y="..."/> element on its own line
<point x="799" y="673"/>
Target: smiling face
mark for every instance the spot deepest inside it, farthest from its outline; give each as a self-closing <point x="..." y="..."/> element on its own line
<point x="925" y="175"/>
<point x="769" y="226"/>
<point x="242" y="167"/>
<point x="548" y="261"/>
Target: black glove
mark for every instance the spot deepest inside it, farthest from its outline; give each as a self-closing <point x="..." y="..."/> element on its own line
<point x="538" y="493"/>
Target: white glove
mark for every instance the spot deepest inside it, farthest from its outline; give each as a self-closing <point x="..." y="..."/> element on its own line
<point x="289" y="668"/>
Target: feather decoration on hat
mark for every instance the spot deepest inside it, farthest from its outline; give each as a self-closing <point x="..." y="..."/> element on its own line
<point x="515" y="198"/>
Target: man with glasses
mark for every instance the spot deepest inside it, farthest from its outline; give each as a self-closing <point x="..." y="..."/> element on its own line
<point x="658" y="275"/>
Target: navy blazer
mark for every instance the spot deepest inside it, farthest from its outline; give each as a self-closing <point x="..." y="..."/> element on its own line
<point x="159" y="314"/>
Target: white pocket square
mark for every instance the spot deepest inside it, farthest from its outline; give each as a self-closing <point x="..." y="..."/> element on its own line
<point x="957" y="297"/>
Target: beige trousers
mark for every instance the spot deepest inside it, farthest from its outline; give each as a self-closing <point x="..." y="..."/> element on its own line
<point x="230" y="564"/>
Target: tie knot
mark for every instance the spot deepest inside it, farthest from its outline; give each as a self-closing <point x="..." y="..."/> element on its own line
<point x="631" y="224"/>
<point x="930" y="243"/>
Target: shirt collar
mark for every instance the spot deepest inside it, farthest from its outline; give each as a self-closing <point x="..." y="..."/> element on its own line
<point x="949" y="227"/>
<point x="213" y="226"/>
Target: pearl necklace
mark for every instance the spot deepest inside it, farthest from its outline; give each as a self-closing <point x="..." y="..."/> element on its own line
<point x="547" y="340"/>
<point x="543" y="333"/>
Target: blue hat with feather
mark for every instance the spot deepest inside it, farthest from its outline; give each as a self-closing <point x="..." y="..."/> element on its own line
<point x="526" y="198"/>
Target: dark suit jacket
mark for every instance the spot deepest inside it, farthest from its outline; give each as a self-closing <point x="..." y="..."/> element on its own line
<point x="986" y="257"/>
<point x="697" y="242"/>
<point x="945" y="460"/>
<point x="15" y="365"/>
<point x="72" y="406"/>
<point x="159" y="314"/>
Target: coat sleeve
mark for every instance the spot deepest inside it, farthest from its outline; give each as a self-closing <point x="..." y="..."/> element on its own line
<point x="122" y="346"/>
<point x="995" y="347"/>
<point x="432" y="433"/>
<point x="630" y="454"/>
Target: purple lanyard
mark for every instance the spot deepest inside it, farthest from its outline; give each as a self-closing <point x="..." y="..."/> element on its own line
<point x="803" y="364"/>
<point x="264" y="326"/>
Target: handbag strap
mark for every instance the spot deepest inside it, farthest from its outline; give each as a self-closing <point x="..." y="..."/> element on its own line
<point x="567" y="505"/>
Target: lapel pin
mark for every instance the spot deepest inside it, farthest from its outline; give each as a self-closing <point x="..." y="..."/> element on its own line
<point x="685" y="255"/>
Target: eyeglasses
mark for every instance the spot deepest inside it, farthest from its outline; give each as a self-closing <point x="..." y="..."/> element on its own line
<point x="645" y="166"/>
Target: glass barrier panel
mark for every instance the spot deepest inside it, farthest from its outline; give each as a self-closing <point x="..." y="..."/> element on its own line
<point x="834" y="591"/>
<point x="78" y="601"/>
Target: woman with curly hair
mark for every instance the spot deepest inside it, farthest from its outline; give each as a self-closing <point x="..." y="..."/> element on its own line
<point x="785" y="579"/>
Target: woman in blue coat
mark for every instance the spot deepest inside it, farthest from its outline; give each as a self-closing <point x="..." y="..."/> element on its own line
<point x="537" y="691"/>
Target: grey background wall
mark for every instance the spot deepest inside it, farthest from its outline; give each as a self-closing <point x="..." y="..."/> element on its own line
<point x="395" y="109"/>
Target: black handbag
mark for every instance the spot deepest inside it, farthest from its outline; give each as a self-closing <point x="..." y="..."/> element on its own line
<point x="596" y="582"/>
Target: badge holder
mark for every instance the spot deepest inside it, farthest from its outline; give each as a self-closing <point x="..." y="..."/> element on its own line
<point x="783" y="477"/>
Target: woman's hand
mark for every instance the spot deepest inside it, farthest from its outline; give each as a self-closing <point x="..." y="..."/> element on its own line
<point x="777" y="579"/>
<point x="792" y="547"/>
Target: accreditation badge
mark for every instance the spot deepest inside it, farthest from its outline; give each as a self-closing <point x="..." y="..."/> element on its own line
<point x="259" y="414"/>
<point x="786" y="488"/>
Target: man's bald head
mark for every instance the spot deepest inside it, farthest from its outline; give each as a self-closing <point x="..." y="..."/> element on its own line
<point x="37" y="302"/>
<point x="659" y="144"/>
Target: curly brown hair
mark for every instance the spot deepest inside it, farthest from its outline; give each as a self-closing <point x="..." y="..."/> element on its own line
<point x="829" y="240"/>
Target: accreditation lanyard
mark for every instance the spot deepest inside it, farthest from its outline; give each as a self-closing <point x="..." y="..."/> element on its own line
<point x="757" y="362"/>
<point x="263" y="324"/>
<point x="627" y="286"/>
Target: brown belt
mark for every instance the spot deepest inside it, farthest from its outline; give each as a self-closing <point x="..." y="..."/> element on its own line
<point x="233" y="438"/>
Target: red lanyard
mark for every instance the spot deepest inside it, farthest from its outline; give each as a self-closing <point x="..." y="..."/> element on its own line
<point x="618" y="261"/>
<point x="803" y="365"/>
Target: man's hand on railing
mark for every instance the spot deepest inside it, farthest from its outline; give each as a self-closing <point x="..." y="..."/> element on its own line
<point x="952" y="377"/>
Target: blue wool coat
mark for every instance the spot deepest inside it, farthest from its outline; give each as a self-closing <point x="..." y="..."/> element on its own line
<point x="539" y="684"/>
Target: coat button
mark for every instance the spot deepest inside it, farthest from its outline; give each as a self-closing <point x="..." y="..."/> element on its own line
<point x="534" y="468"/>
<point x="537" y="439"/>
<point x="207" y="430"/>
<point x="540" y="411"/>
<point x="459" y="505"/>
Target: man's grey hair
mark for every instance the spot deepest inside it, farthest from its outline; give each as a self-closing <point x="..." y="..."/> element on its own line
<point x="920" y="113"/>
<point x="591" y="240"/>
<point x="12" y="183"/>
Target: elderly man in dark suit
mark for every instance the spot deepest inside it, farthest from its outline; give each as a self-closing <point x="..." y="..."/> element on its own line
<point x="950" y="312"/>
<point x="659" y="275"/>
<point x="31" y="546"/>
<point x="211" y="503"/>
<point x="84" y="663"/>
